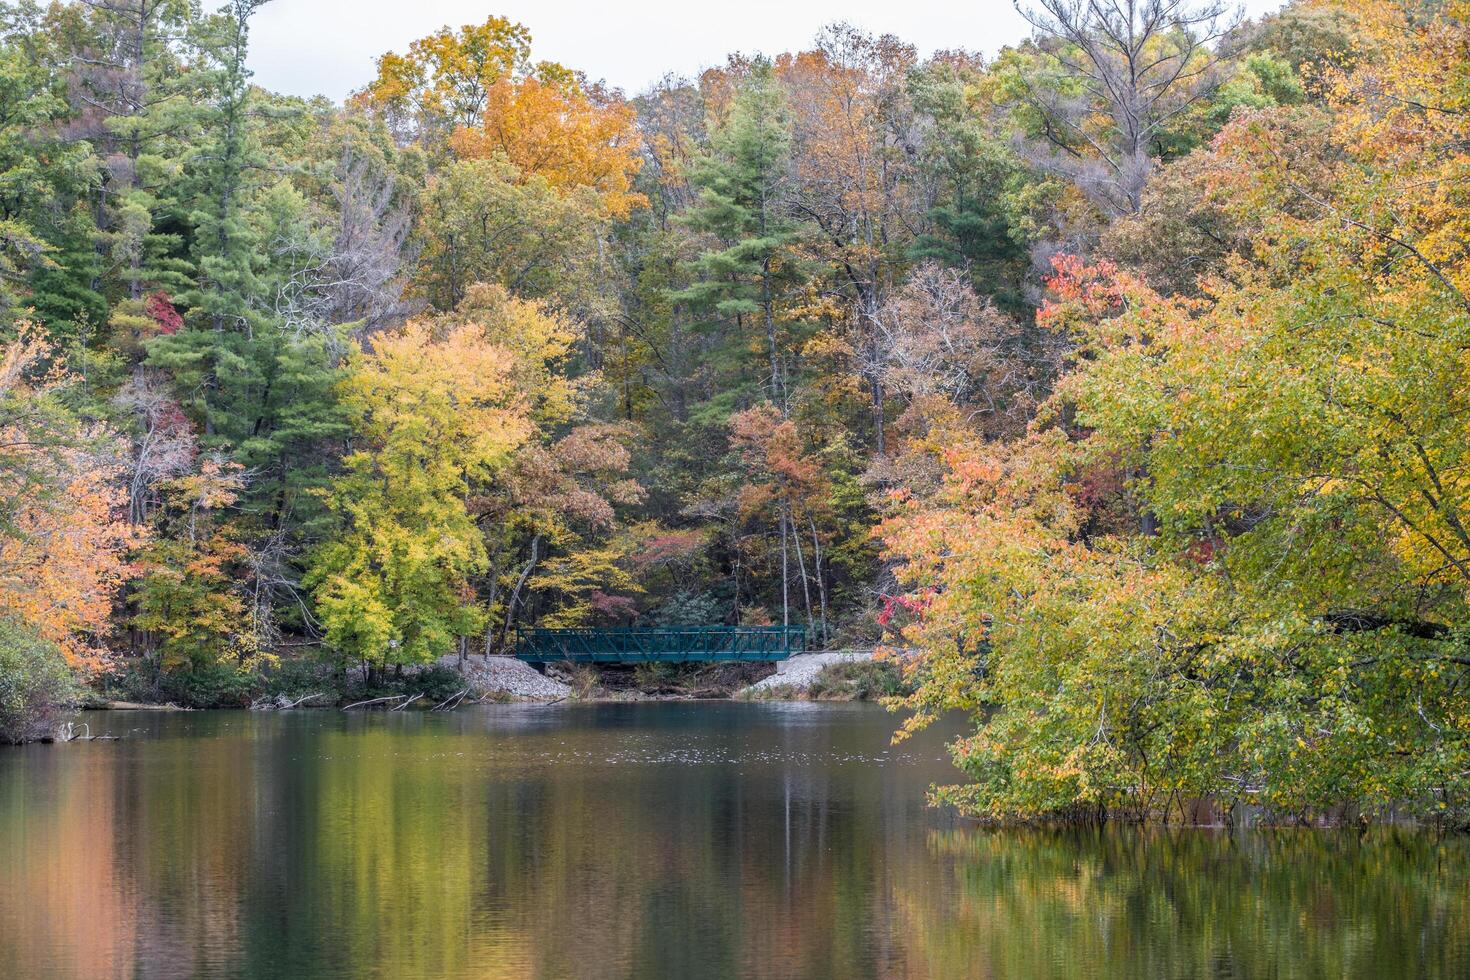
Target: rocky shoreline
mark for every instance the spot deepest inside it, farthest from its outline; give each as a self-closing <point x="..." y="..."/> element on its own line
<point x="793" y="679"/>
<point x="453" y="682"/>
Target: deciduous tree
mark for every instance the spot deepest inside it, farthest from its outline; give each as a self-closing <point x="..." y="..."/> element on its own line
<point x="435" y="411"/>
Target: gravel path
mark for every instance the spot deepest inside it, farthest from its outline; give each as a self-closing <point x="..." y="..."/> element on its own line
<point x="489" y="674"/>
<point x="801" y="670"/>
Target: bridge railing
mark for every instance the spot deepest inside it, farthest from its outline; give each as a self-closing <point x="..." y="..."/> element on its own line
<point x="661" y="644"/>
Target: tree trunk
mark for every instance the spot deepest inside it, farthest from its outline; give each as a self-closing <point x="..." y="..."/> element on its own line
<point x="821" y="581"/>
<point x="515" y="595"/>
<point x="805" y="587"/>
<point x="778" y="388"/>
<point x="785" y="575"/>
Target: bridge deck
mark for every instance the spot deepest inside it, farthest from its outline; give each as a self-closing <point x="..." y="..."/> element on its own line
<point x="671" y="644"/>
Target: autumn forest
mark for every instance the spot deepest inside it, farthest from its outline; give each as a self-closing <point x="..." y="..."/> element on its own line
<point x="1117" y="383"/>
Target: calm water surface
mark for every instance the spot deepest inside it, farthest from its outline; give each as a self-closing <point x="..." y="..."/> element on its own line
<point x="646" y="841"/>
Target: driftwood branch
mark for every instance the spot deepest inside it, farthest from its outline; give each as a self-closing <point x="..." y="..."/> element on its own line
<point x="283" y="703"/>
<point x="363" y="704"/>
<point x="451" y="702"/>
<point x="71" y="732"/>
<point x="400" y="707"/>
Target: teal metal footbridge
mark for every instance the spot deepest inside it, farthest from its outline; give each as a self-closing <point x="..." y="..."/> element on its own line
<point x="670" y="644"/>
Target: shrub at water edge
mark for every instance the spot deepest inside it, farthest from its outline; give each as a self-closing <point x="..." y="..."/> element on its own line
<point x="36" y="685"/>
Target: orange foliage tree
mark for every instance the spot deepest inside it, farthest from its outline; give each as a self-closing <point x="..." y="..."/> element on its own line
<point x="785" y="481"/>
<point x="65" y="543"/>
<point x="853" y="159"/>
<point x="568" y="134"/>
<point x="476" y="92"/>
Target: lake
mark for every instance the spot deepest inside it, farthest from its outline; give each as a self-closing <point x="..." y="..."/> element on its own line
<point x="683" y="840"/>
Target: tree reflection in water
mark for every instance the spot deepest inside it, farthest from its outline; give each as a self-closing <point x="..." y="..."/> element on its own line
<point x="664" y="840"/>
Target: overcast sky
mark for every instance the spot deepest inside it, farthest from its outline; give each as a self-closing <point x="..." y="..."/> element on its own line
<point x="328" y="47"/>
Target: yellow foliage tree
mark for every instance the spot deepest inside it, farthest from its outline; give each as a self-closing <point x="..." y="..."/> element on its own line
<point x="437" y="412"/>
<point x="444" y="79"/>
<point x="190" y="603"/>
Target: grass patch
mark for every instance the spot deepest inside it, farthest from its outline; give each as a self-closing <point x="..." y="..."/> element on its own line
<point x="584" y="679"/>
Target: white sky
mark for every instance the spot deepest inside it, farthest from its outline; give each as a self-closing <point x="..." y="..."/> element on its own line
<point x="328" y="47"/>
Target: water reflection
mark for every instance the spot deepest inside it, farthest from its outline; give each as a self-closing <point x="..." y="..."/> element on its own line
<point x="667" y="840"/>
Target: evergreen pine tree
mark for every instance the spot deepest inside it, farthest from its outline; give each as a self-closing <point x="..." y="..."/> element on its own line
<point x="743" y="207"/>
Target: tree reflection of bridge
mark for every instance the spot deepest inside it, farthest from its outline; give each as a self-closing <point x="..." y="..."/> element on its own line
<point x="672" y="644"/>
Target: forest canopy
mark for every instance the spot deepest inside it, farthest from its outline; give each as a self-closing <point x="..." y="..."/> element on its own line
<point x="1112" y="383"/>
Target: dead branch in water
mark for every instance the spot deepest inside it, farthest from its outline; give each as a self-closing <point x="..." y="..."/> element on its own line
<point x="69" y="733"/>
<point x="361" y="704"/>
<point x="451" y="702"/>
<point x="400" y="707"/>
<point x="282" y="703"/>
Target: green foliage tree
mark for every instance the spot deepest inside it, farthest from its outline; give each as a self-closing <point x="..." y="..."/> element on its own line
<point x="225" y="246"/>
<point x="482" y="223"/>
<point x="972" y="223"/>
<point x="36" y="686"/>
<point x="45" y="231"/>
<point x="1289" y="629"/>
